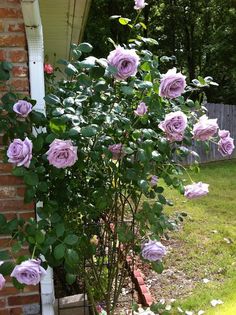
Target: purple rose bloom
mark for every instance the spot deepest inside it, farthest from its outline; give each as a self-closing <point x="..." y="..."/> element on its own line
<point x="116" y="150"/>
<point x="224" y="133"/>
<point x="226" y="146"/>
<point x="205" y="128"/>
<point x="174" y="125"/>
<point x="22" y="108"/>
<point x="20" y="152"/>
<point x="29" y="272"/>
<point x="153" y="181"/>
<point x="126" y="62"/>
<point x="196" y="190"/>
<point x="62" y="153"/>
<point x="139" y="4"/>
<point x="2" y="281"/>
<point x="153" y="250"/>
<point x="172" y="84"/>
<point x="141" y="109"/>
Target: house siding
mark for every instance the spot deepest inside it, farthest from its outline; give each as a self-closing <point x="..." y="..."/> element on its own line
<point x="13" y="48"/>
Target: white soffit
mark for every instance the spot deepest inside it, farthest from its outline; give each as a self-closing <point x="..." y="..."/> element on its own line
<point x="63" y="23"/>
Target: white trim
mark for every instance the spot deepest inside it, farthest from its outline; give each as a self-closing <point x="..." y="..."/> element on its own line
<point x="34" y="34"/>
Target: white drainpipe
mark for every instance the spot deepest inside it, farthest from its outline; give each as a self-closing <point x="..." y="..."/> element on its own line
<point x="34" y="34"/>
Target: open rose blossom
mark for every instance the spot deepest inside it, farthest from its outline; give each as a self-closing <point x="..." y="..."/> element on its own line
<point x="139" y="4"/>
<point x="141" y="109"/>
<point x="29" y="272"/>
<point x="226" y="146"/>
<point x="223" y="133"/>
<point x="62" y="153"/>
<point x="20" y="152"/>
<point x="48" y="68"/>
<point x="196" y="190"/>
<point x="116" y="150"/>
<point x="153" y="181"/>
<point x="153" y="250"/>
<point x="172" y="84"/>
<point x="126" y="62"/>
<point x="205" y="128"/>
<point x="174" y="125"/>
<point x="22" y="108"/>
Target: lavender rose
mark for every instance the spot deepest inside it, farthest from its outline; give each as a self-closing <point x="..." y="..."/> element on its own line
<point x="139" y="4"/>
<point x="172" y="84"/>
<point x="22" y="108"/>
<point x="223" y="133"/>
<point x="20" y="152"/>
<point x="196" y="190"/>
<point x="29" y="272"/>
<point x="141" y="109"/>
<point x="126" y="62"/>
<point x="62" y="153"/>
<point x="153" y="250"/>
<point x="153" y="181"/>
<point x="116" y="150"/>
<point x="174" y="125"/>
<point x="226" y="146"/>
<point x="205" y="128"/>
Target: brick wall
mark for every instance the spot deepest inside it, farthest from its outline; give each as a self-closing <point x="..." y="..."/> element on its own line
<point x="13" y="49"/>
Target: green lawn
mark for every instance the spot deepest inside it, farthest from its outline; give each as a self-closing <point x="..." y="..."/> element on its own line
<point x="207" y="241"/>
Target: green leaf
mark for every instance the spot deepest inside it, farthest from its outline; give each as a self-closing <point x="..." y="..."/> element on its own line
<point x="60" y="229"/>
<point x="57" y="125"/>
<point x="71" y="239"/>
<point x="31" y="178"/>
<point x="70" y="278"/>
<point x="124" y="21"/>
<point x="19" y="171"/>
<point x="4" y="255"/>
<point x="72" y="257"/>
<point x="89" y="131"/>
<point x="38" y="143"/>
<point x="52" y="99"/>
<point x="85" y="47"/>
<point x="40" y="237"/>
<point x="29" y="194"/>
<point x="6" y="268"/>
<point x="17" y="284"/>
<point x="70" y="70"/>
<point x="59" y="251"/>
<point x="43" y="186"/>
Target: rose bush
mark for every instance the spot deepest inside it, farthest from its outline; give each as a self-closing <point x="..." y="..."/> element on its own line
<point x="113" y="127"/>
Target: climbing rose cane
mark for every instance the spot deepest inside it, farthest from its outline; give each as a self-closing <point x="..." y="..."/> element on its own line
<point x="20" y="152"/>
<point x="174" y="125"/>
<point x="196" y="190"/>
<point x="62" y="153"/>
<point x="205" y="128"/>
<point x="22" y="108"/>
<point x="172" y="84"/>
<point x="139" y="4"/>
<point x="29" y="272"/>
<point x="126" y="62"/>
<point x="153" y="250"/>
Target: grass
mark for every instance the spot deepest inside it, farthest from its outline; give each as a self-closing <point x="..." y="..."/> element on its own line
<point x="207" y="241"/>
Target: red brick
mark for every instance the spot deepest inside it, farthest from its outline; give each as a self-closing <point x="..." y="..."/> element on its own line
<point x="21" y="300"/>
<point x="9" y="291"/>
<point x="137" y="273"/>
<point x="140" y="280"/>
<point x="13" y="205"/>
<point x="12" y="40"/>
<point x="2" y="55"/>
<point x="2" y="302"/>
<point x="17" y="56"/>
<point x="148" y="299"/>
<point x="5" y="242"/>
<point x="20" y="84"/>
<point x="26" y="215"/>
<point x="7" y="192"/>
<point x="20" y="71"/>
<point x="10" y="179"/>
<point x="5" y="168"/>
<point x="10" y="215"/>
<point x="4" y="312"/>
<point x="1" y="26"/>
<point x="16" y="27"/>
<point x="21" y="191"/>
<point x="15" y="311"/>
<point x="10" y="13"/>
<point x="143" y="288"/>
<point x="13" y="1"/>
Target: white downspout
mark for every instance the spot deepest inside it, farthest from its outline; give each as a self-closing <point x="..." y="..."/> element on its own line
<point x="34" y="34"/>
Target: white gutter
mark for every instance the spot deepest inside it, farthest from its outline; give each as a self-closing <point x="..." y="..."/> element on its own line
<point x="34" y="34"/>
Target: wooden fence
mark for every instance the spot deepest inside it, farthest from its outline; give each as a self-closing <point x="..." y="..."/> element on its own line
<point x="226" y="115"/>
